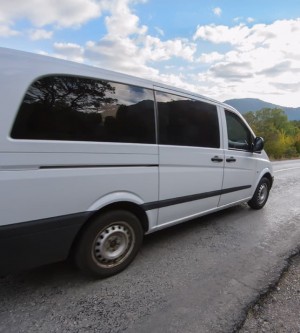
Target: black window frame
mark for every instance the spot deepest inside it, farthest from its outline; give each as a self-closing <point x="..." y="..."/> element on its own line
<point x="237" y="145"/>
<point x="151" y="111"/>
<point x="183" y="97"/>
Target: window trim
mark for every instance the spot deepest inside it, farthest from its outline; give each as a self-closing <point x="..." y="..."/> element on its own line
<point x="191" y="98"/>
<point x="244" y="125"/>
<point x="79" y="76"/>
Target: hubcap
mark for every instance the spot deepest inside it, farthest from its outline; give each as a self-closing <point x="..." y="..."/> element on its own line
<point x="262" y="193"/>
<point x="113" y="244"/>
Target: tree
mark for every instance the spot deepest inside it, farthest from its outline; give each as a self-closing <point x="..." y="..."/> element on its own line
<point x="282" y="137"/>
<point x="79" y="94"/>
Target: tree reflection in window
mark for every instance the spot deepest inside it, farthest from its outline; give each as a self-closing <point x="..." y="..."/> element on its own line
<point x="83" y="109"/>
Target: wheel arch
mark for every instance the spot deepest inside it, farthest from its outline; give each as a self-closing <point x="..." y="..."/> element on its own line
<point x="267" y="173"/>
<point x="269" y="177"/>
<point x="128" y="206"/>
<point x="131" y="207"/>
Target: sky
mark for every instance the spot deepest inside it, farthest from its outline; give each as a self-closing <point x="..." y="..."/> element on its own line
<point x="222" y="49"/>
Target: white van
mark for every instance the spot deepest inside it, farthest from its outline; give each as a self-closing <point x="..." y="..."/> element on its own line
<point x="91" y="160"/>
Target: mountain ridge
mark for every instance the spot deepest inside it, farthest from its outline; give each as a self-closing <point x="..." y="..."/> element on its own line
<point x="244" y="105"/>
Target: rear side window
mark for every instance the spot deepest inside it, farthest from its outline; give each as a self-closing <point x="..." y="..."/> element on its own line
<point x="83" y="109"/>
<point x="187" y="122"/>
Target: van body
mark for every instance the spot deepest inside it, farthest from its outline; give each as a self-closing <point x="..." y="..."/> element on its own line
<point x="91" y="160"/>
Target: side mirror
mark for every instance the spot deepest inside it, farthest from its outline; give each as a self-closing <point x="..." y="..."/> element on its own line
<point x="258" y="144"/>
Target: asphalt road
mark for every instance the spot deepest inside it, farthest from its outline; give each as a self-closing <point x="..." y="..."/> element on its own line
<point x="201" y="276"/>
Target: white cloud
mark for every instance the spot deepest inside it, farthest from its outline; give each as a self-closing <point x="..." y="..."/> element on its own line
<point x="120" y="48"/>
<point x="40" y="34"/>
<point x="177" y="80"/>
<point x="263" y="61"/>
<point x="156" y="50"/>
<point x="118" y="54"/>
<point x="233" y="71"/>
<point x="210" y="57"/>
<point x="217" y="11"/>
<point x="65" y="13"/>
<point x="238" y="18"/>
<point x="70" y="51"/>
<point x="284" y="34"/>
<point x="122" y="22"/>
<point x="160" y="31"/>
<point x="243" y="60"/>
<point x="241" y="18"/>
<point x="6" y="31"/>
<point x="222" y="34"/>
<point x="260" y="61"/>
<point x="127" y="46"/>
<point x="125" y="55"/>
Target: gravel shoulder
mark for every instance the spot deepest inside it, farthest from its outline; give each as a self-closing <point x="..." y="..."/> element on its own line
<point x="278" y="310"/>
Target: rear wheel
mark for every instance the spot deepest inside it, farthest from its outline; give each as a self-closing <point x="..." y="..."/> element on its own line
<point x="109" y="243"/>
<point x="261" y="194"/>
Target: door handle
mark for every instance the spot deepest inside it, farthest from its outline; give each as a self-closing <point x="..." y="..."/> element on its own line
<point x="217" y="159"/>
<point x="230" y="159"/>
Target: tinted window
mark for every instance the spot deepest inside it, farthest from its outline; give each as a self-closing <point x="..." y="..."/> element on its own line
<point x="239" y="136"/>
<point x="187" y="122"/>
<point x="82" y="109"/>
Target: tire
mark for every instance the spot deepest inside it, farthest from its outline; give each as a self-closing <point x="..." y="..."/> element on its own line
<point x="109" y="243"/>
<point x="261" y="194"/>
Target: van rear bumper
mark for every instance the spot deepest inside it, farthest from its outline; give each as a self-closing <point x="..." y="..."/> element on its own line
<point x="30" y="244"/>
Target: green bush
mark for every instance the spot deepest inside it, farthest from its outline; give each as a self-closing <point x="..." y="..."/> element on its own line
<point x="282" y="137"/>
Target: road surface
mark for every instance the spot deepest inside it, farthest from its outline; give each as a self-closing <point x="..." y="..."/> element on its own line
<point x="200" y="276"/>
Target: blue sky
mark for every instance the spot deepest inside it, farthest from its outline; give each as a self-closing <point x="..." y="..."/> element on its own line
<point x="223" y="49"/>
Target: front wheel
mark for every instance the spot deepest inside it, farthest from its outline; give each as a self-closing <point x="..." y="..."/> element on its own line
<point x="261" y="194"/>
<point x="109" y="243"/>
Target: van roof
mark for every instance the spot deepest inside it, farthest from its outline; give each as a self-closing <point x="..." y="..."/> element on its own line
<point x="41" y="65"/>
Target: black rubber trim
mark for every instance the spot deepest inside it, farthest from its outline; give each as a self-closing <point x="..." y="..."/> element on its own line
<point x="193" y="197"/>
<point x="36" y="226"/>
<point x="71" y="166"/>
<point x="29" y="244"/>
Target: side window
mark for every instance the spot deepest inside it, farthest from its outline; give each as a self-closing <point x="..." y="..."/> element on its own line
<point x="82" y="109"/>
<point x="239" y="136"/>
<point x="186" y="122"/>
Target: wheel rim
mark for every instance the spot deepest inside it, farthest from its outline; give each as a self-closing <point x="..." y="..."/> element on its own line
<point x="113" y="244"/>
<point x="262" y="194"/>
